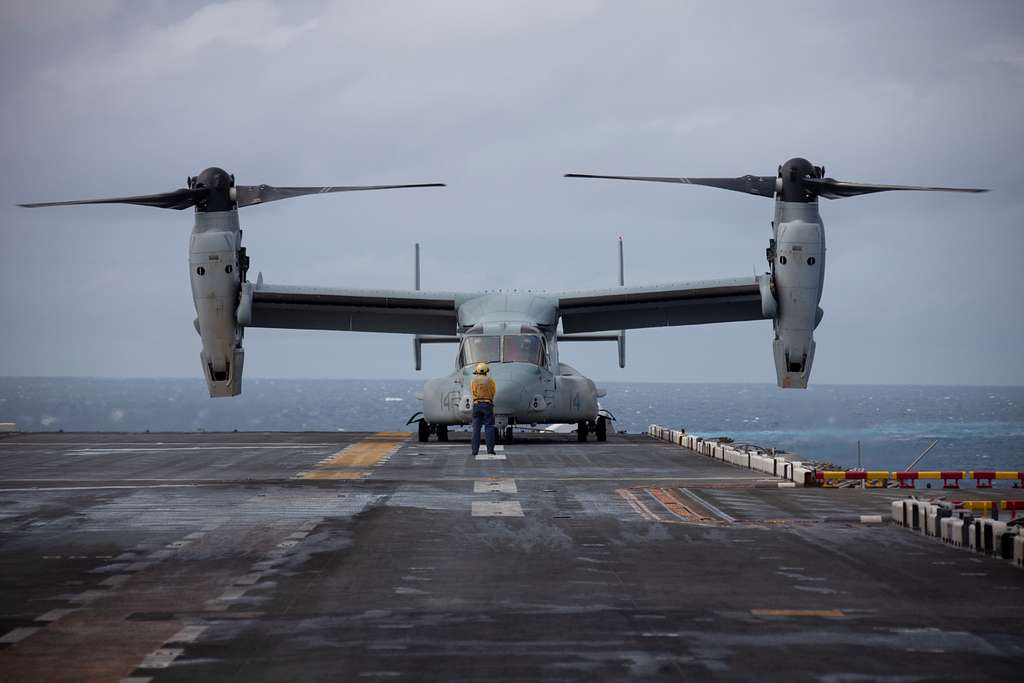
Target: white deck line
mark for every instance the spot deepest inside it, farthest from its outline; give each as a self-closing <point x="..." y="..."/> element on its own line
<point x="708" y="506"/>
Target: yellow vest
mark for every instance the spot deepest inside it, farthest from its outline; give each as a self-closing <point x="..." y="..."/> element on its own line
<point x="483" y="389"/>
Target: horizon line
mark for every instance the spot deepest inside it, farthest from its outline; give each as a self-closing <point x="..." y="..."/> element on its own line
<point x="418" y="380"/>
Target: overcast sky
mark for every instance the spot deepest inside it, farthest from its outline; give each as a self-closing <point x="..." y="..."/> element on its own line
<point x="498" y="100"/>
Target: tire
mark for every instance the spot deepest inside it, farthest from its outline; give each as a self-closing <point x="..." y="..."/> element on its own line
<point x="582" y="429"/>
<point x="424" y="432"/>
<point x="442" y="432"/>
<point x="508" y="434"/>
<point x="602" y="429"/>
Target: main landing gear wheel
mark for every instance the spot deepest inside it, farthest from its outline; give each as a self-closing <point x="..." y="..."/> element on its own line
<point x="602" y="429"/>
<point x="442" y="432"/>
<point x="424" y="431"/>
<point x="582" y="430"/>
<point x="508" y="434"/>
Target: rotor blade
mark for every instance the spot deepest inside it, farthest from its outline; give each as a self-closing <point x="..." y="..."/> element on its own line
<point x="830" y="188"/>
<point x="247" y="195"/>
<point x="178" y="199"/>
<point x="760" y="185"/>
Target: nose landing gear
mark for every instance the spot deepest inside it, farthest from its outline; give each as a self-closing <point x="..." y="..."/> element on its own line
<point x="599" y="427"/>
<point x="425" y="429"/>
<point x="582" y="430"/>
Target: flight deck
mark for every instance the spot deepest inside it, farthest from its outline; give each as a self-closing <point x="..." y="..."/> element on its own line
<point x="372" y="556"/>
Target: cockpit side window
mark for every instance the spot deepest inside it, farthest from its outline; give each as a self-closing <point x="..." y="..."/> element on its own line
<point x="481" y="349"/>
<point x="522" y="348"/>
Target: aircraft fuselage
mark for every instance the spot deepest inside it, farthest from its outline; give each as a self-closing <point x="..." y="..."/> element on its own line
<point x="517" y="335"/>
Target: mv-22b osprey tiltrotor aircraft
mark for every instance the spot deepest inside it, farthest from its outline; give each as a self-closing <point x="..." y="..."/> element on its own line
<point x="517" y="333"/>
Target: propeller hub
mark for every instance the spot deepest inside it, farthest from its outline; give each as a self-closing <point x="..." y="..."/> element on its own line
<point x="218" y="182"/>
<point x="792" y="174"/>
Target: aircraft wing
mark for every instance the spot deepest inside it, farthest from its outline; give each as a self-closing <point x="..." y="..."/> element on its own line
<point x="356" y="310"/>
<point x="684" y="303"/>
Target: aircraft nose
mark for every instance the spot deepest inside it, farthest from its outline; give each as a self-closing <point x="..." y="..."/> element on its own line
<point x="516" y="384"/>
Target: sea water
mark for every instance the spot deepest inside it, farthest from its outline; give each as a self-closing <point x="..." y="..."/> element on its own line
<point x="976" y="427"/>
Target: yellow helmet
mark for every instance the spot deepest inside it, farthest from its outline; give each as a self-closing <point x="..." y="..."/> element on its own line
<point x="482" y="369"/>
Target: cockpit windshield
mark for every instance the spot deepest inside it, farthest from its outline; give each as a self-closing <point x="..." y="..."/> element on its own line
<point x="510" y="348"/>
<point x="481" y="350"/>
<point x="521" y="348"/>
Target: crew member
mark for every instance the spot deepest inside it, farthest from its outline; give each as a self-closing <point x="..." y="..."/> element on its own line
<point x="483" y="389"/>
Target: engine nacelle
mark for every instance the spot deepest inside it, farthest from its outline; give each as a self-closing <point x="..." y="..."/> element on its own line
<point x="214" y="264"/>
<point x="798" y="272"/>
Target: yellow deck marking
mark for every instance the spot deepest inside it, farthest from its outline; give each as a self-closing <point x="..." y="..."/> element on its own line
<point x="671" y="503"/>
<point x="351" y="474"/>
<point x="363" y="454"/>
<point x="797" y="612"/>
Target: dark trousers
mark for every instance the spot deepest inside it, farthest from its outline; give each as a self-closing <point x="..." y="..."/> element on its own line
<point x="483" y="414"/>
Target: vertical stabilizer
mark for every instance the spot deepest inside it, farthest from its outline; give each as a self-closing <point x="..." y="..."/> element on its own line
<point x="622" y="283"/>
<point x="417" y="349"/>
<point x="416" y="276"/>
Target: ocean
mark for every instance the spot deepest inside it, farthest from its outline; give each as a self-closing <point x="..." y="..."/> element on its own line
<point x="976" y="427"/>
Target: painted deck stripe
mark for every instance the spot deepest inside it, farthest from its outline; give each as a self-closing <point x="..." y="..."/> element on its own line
<point x="162" y="449"/>
<point x="19" y="634"/>
<point x="369" y="452"/>
<point x="797" y="612"/>
<point x="491" y="456"/>
<point x="55" y="614"/>
<point x="233" y="444"/>
<point x="93" y="488"/>
<point x="188" y="634"/>
<point x="161" y="658"/>
<point x="495" y="486"/>
<point x="638" y="506"/>
<point x="708" y="506"/>
<point x="353" y="474"/>
<point x="510" y="508"/>
<point x="233" y="593"/>
<point x="670" y="502"/>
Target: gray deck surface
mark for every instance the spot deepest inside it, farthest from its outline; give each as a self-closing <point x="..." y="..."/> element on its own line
<point x="240" y="557"/>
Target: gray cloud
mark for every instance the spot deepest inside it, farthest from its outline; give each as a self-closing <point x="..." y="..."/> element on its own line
<point x="499" y="99"/>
